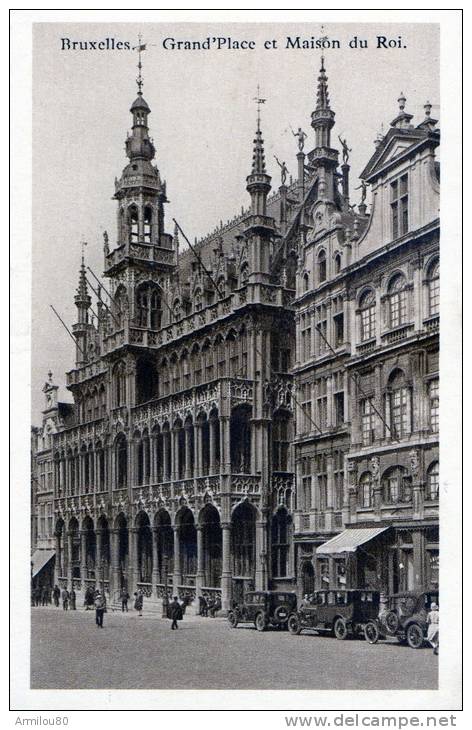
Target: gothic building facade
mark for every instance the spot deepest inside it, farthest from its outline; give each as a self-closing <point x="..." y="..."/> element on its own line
<point x="254" y="411"/>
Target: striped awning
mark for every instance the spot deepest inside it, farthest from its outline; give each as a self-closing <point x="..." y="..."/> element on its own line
<point x="349" y="540"/>
<point x="40" y="559"/>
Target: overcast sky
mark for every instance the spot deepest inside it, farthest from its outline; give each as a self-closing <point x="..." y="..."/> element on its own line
<point x="202" y="121"/>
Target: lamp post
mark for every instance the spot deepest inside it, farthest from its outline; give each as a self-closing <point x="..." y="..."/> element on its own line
<point x="165" y="599"/>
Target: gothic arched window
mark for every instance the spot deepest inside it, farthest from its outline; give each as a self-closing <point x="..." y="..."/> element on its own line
<point x="433" y="289"/>
<point x="367" y="315"/>
<point x="148" y="306"/>
<point x="280" y="440"/>
<point x="337" y="263"/>
<point x="119" y="377"/>
<point x="281" y="522"/>
<point x="121" y="457"/>
<point x="397" y="301"/>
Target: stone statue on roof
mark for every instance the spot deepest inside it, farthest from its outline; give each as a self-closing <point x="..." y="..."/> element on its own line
<point x="283" y="170"/>
<point x="301" y="136"/>
<point x="363" y="188"/>
<point x="346" y="149"/>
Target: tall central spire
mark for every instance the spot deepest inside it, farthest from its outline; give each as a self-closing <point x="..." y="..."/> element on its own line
<point x="322" y="95"/>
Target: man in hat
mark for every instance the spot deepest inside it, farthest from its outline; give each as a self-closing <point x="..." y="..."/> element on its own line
<point x="175" y="613"/>
<point x="100" y="608"/>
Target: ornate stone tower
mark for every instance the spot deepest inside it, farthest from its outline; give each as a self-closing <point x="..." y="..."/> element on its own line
<point x="82" y="327"/>
<point x="144" y="251"/>
<point x="259" y="228"/>
<point x="324" y="158"/>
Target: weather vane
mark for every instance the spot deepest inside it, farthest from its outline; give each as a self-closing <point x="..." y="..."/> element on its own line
<point x="259" y="101"/>
<point x="83" y="243"/>
<point x="139" y="48"/>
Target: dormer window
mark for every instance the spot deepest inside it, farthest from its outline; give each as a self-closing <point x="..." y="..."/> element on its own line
<point x="399" y="206"/>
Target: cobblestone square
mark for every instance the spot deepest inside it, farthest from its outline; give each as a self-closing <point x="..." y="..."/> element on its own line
<point x="68" y="651"/>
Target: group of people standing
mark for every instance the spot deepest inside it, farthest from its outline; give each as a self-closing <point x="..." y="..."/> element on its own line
<point x="209" y="606"/>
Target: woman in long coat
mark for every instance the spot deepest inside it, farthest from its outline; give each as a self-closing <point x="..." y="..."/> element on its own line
<point x="175" y="612"/>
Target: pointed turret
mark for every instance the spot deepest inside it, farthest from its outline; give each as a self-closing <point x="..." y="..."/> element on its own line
<point x="322" y="119"/>
<point x="81" y="327"/>
<point x="258" y="182"/>
<point x="259" y="229"/>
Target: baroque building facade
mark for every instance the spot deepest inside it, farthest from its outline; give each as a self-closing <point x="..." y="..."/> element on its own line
<point x="219" y="438"/>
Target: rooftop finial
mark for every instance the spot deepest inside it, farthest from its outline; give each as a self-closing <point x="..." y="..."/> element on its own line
<point x="401" y="101"/>
<point x="139" y="48"/>
<point x="427" y="108"/>
<point x="258" y="161"/>
<point x="322" y="96"/>
<point x="83" y="243"/>
<point x="259" y="101"/>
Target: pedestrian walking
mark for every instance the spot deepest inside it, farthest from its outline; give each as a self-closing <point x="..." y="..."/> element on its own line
<point x="56" y="594"/>
<point x="124" y="598"/>
<point x="100" y="608"/>
<point x="215" y="607"/>
<point x="138" y="602"/>
<point x="175" y="612"/>
<point x="44" y="596"/>
<point x="89" y="598"/>
<point x="65" y="599"/>
<point x="73" y="599"/>
<point x="202" y="608"/>
<point x="433" y="627"/>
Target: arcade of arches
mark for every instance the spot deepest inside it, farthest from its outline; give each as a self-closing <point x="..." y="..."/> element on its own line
<point x="193" y="554"/>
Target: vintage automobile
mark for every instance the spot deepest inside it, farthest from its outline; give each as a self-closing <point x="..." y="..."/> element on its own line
<point x="341" y="612"/>
<point x="404" y="616"/>
<point x="264" y="608"/>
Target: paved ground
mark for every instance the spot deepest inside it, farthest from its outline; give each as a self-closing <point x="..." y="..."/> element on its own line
<point x="70" y="652"/>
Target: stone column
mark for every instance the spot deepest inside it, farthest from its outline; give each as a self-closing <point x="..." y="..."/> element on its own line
<point x="98" y="556"/>
<point x="83" y="554"/>
<point x="261" y="558"/>
<point x="198" y="450"/>
<point x="155" y="562"/>
<point x="59" y="557"/>
<point x="152" y="455"/>
<point x="174" y="456"/>
<point x="226" y="592"/>
<point x="165" y="456"/>
<point x="225" y="454"/>
<point x="114" y="562"/>
<point x="200" y="579"/>
<point x="211" y="432"/>
<point x="132" y="559"/>
<point x="188" y="448"/>
<point x="177" y="580"/>
<point x="69" y="559"/>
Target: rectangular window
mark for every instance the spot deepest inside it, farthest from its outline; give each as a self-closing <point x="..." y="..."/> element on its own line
<point x="306" y="493"/>
<point x="399" y="406"/>
<point x="339" y="408"/>
<point x="306" y="407"/>
<point x="368" y="323"/>
<point x="434" y="405"/>
<point x="367" y="421"/>
<point x="322" y="331"/>
<point x="339" y="330"/>
<point x="399" y="206"/>
<point x="322" y="404"/>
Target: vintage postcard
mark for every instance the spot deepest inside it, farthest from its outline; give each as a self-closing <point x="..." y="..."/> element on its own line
<point x="245" y="466"/>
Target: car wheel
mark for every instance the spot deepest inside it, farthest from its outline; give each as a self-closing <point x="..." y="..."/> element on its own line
<point x="371" y="632"/>
<point x="340" y="629"/>
<point x="414" y="636"/>
<point x="391" y="622"/>
<point x="294" y="625"/>
<point x="261" y="623"/>
<point x="232" y="620"/>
